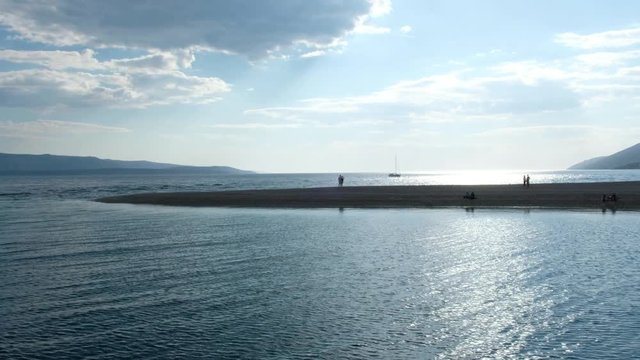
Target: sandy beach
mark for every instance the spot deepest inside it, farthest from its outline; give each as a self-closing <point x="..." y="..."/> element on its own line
<point x="575" y="195"/>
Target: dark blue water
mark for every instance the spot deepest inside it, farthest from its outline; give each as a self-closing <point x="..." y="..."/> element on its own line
<point x="79" y="279"/>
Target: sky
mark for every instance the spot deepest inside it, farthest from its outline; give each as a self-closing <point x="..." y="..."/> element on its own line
<point x="322" y="86"/>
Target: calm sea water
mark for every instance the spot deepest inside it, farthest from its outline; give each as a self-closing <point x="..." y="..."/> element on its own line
<point x="80" y="279"/>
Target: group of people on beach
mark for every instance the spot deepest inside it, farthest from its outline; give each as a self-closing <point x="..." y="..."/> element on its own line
<point x="526" y="180"/>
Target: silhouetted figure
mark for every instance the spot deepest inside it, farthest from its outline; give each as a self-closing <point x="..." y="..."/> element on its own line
<point x="524" y="180"/>
<point x="528" y="179"/>
<point x="340" y="180"/>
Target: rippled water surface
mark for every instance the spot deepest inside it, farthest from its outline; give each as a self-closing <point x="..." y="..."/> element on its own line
<point x="80" y="279"/>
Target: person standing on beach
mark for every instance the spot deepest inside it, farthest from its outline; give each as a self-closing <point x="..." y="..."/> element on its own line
<point x="524" y="180"/>
<point x="340" y="180"/>
<point x="528" y="180"/>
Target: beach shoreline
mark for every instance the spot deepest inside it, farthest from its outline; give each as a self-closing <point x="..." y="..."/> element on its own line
<point x="558" y="195"/>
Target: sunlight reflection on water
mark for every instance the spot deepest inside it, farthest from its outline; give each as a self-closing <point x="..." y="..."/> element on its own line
<point x="512" y="177"/>
<point x="490" y="309"/>
<point x="84" y="279"/>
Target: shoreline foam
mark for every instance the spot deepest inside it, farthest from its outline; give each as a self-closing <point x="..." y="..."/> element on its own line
<point x="560" y="195"/>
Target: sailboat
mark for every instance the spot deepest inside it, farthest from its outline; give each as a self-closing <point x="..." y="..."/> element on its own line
<point x="395" y="173"/>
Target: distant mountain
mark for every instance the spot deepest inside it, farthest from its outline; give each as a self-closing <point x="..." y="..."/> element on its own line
<point x="22" y="163"/>
<point x="628" y="158"/>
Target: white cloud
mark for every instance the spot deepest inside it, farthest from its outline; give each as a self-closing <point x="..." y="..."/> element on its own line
<point x="505" y="92"/>
<point x="154" y="61"/>
<point x="45" y="128"/>
<point x="302" y="124"/>
<point x="532" y="72"/>
<point x="362" y="28"/>
<point x="454" y="116"/>
<point x="570" y="136"/>
<point x="247" y="27"/>
<point x="610" y="58"/>
<point x="312" y="54"/>
<point x="78" y="79"/>
<point x="530" y="130"/>
<point x="307" y="108"/>
<point x="380" y="7"/>
<point x="170" y="33"/>
<point x="254" y="125"/>
<point x="406" y="29"/>
<point x="48" y="88"/>
<point x="605" y="39"/>
<point x="56" y="59"/>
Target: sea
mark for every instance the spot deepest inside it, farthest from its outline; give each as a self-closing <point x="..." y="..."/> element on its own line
<point x="87" y="280"/>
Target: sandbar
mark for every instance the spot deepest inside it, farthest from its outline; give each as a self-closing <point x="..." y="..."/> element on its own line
<point x="562" y="195"/>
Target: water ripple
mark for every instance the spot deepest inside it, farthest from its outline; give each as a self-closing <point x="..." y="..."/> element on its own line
<point x="81" y="280"/>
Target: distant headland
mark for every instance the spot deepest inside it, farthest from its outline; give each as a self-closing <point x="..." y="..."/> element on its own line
<point x="628" y="158"/>
<point x="46" y="164"/>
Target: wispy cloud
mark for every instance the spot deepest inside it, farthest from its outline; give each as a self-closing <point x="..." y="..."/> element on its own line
<point x="46" y="128"/>
<point x="539" y="129"/>
<point x="608" y="58"/>
<point x="406" y="29"/>
<point x="254" y="125"/>
<point x="370" y="29"/>
<point x="46" y="88"/>
<point x="450" y="97"/>
<point x="56" y="59"/>
<point x="505" y="91"/>
<point x="313" y="54"/>
<point x="605" y="39"/>
<point x="153" y="62"/>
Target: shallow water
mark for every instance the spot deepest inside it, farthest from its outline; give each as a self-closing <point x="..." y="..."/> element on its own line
<point x="91" y="186"/>
<point x="86" y="280"/>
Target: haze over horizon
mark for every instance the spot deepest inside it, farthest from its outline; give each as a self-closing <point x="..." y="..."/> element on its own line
<point x="299" y="86"/>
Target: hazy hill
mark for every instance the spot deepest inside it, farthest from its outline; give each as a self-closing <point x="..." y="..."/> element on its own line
<point x="22" y="163"/>
<point x="628" y="158"/>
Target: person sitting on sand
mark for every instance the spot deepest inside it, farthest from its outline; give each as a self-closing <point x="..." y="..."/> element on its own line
<point x="469" y="196"/>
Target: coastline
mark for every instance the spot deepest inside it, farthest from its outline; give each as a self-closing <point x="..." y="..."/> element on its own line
<point x="558" y="195"/>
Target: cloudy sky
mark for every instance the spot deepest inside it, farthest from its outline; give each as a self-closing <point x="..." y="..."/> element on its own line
<point x="322" y="86"/>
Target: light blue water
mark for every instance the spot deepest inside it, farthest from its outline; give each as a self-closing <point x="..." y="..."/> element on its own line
<point x="79" y="279"/>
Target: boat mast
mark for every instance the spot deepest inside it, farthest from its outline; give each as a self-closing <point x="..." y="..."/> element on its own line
<point x="396" y="162"/>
